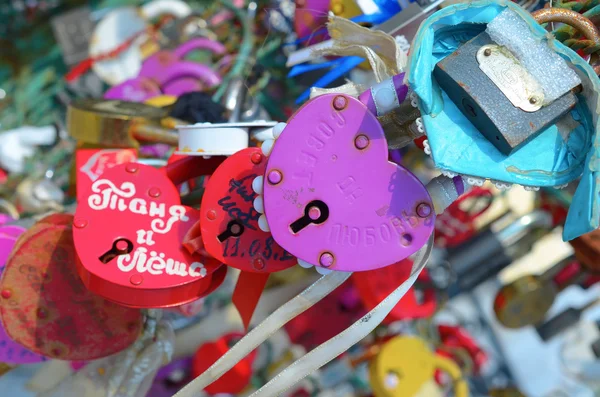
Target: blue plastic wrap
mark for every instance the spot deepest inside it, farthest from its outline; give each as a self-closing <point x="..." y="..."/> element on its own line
<point x="559" y="155"/>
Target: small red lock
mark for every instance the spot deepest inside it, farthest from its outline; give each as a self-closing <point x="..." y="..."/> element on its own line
<point x="230" y="230"/>
<point x="454" y="338"/>
<point x="332" y="315"/>
<point x="457" y="223"/>
<point x="233" y="381"/>
<point x="374" y="286"/>
<point x="191" y="184"/>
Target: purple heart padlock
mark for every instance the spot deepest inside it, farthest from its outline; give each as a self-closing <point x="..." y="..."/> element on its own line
<point x="332" y="198"/>
<point x="167" y="72"/>
<point x="11" y="352"/>
<point x="137" y="89"/>
<point x="164" y="66"/>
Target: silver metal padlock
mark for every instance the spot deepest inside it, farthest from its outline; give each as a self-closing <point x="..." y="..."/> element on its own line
<point x="497" y="94"/>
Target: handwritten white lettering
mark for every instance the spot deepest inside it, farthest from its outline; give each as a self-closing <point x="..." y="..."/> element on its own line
<point x="108" y="196"/>
<point x="156" y="264"/>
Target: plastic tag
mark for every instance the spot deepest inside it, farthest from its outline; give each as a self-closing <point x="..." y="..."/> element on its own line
<point x="330" y="194"/>
<point x="129" y="236"/>
<point x="47" y="309"/>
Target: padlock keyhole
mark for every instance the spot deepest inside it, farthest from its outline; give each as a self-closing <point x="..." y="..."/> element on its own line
<point x="315" y="212"/>
<point x="121" y="246"/>
<point x="235" y="228"/>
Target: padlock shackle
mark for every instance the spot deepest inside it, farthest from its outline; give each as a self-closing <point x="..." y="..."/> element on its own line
<point x="571" y="18"/>
<point x="199" y="43"/>
<point x="198" y="71"/>
<point x="191" y="167"/>
<point x="447" y="365"/>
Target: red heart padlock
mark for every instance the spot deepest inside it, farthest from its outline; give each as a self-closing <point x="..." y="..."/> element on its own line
<point x="454" y="337"/>
<point x="129" y="236"/>
<point x="45" y="307"/>
<point x="332" y="315"/>
<point x="230" y="229"/>
<point x="233" y="381"/>
<point x="375" y="285"/>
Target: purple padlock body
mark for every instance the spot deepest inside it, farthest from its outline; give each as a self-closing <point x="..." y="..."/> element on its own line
<point x="182" y="86"/>
<point x="5" y="219"/>
<point x="10" y="351"/>
<point x="12" y="230"/>
<point x="186" y="69"/>
<point x="340" y="158"/>
<point x="138" y="89"/>
<point x="163" y="385"/>
<point x="157" y="65"/>
<point x="7" y="242"/>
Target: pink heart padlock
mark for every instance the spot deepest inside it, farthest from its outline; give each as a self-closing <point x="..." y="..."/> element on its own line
<point x="331" y="197"/>
<point x="159" y="65"/>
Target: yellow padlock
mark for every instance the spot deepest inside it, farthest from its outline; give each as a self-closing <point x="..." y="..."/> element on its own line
<point x="345" y="8"/>
<point x="118" y="124"/>
<point x="405" y="367"/>
<point x="161" y="101"/>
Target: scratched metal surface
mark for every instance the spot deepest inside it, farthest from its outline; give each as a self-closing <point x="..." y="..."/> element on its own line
<point x="479" y="99"/>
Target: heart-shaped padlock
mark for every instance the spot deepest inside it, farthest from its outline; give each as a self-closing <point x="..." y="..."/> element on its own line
<point x="45" y="307"/>
<point x="331" y="196"/>
<point x="230" y="230"/>
<point x="129" y="235"/>
<point x="333" y="314"/>
<point x="233" y="381"/>
<point x="10" y="351"/>
<point x="167" y="72"/>
<point x="159" y="66"/>
<point x="374" y="286"/>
